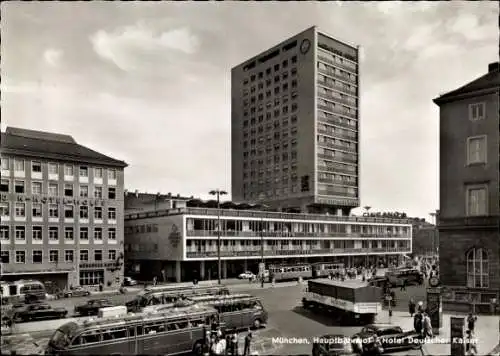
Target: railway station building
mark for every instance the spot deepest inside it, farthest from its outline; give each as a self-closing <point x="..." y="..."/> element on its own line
<point x="180" y="244"/>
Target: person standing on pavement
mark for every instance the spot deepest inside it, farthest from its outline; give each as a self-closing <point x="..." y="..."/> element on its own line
<point x="411" y="307"/>
<point x="418" y="323"/>
<point x="234" y="341"/>
<point x="427" y="325"/>
<point x="248" y="341"/>
<point x="403" y="286"/>
<point x="471" y="321"/>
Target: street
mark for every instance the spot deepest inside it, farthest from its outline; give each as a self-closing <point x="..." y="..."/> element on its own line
<point x="287" y="320"/>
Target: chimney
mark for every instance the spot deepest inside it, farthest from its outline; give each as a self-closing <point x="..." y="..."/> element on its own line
<point x="493" y="67"/>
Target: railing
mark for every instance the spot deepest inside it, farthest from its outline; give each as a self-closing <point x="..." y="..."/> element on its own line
<point x="266" y="215"/>
<point x="336" y="99"/>
<point x="332" y="181"/>
<point x="338" y="158"/>
<point x="342" y="65"/>
<point x="336" y="76"/>
<point x="335" y="146"/>
<point x="292" y="252"/>
<point x="337" y="169"/>
<point x="334" y="121"/>
<point x="336" y="111"/>
<point x="267" y="234"/>
<point x="351" y="136"/>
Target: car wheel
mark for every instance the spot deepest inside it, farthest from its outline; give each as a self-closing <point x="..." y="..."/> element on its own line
<point x="257" y="324"/>
<point x="198" y="348"/>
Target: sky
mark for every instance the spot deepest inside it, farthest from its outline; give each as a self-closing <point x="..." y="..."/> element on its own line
<point x="149" y="83"/>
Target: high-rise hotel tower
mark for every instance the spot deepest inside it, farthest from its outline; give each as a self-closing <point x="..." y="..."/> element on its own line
<point x="295" y="126"/>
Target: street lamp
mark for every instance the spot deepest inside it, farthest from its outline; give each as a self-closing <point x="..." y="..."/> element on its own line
<point x="218" y="193"/>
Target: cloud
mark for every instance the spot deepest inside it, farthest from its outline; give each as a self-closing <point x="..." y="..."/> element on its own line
<point x="468" y="26"/>
<point x="125" y="47"/>
<point x="52" y="56"/>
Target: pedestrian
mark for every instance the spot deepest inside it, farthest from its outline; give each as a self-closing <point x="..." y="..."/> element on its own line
<point x="420" y="307"/>
<point x="229" y="345"/>
<point x="471" y="322"/>
<point x="248" y="341"/>
<point x="235" y="347"/>
<point x="403" y="286"/>
<point x="427" y="325"/>
<point x="470" y="343"/>
<point x="418" y="323"/>
<point x="411" y="306"/>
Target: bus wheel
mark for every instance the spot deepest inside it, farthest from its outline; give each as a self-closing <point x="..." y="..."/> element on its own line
<point x="198" y="349"/>
<point x="256" y="324"/>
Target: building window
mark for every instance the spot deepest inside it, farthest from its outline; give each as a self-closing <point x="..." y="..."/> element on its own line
<point x="37" y="256"/>
<point x="112" y="255"/>
<point x="20" y="210"/>
<point x="477" y="200"/>
<point x="97" y="172"/>
<point x="36" y="188"/>
<point x="98" y="213"/>
<point x="98" y="255"/>
<point x="36" y="167"/>
<point x="98" y="192"/>
<point x="5" y="164"/>
<point x="36" y="233"/>
<point x="20" y="256"/>
<point x="90" y="278"/>
<point x="111" y="174"/>
<point x="19" y="186"/>
<point x="53" y="233"/>
<point x="4" y="185"/>
<point x="84" y="171"/>
<point x="36" y="210"/>
<point x="84" y="233"/>
<point x="84" y="255"/>
<point x="84" y="212"/>
<point x="477" y="268"/>
<point x="68" y="170"/>
<point x="4" y="233"/>
<point x="53" y="168"/>
<point x="111" y="213"/>
<point x="53" y="211"/>
<point x="112" y="234"/>
<point x="69" y="211"/>
<point x="19" y="165"/>
<point x="4" y="209"/>
<point x="53" y="189"/>
<point x="84" y="191"/>
<point x="69" y="255"/>
<point x="111" y="193"/>
<point x="68" y="233"/>
<point x="5" y="257"/>
<point x="53" y="256"/>
<point x="97" y="234"/>
<point x="476" y="149"/>
<point x="477" y="111"/>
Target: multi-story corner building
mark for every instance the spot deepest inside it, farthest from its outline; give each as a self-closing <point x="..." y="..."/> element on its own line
<point x="61" y="210"/>
<point x="295" y="126"/>
<point x="468" y="223"/>
<point x="181" y="244"/>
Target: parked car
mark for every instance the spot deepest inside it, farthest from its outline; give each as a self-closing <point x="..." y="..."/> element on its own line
<point x="378" y="281"/>
<point x="128" y="281"/>
<point x="75" y="292"/>
<point x="391" y="338"/>
<point x="92" y="306"/>
<point x="246" y="275"/>
<point x="39" y="311"/>
<point x="332" y="345"/>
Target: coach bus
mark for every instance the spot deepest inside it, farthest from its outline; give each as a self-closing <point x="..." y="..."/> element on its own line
<point x="237" y="311"/>
<point x="290" y="272"/>
<point x="324" y="269"/>
<point x="154" y="297"/>
<point x="23" y="290"/>
<point x="169" y="332"/>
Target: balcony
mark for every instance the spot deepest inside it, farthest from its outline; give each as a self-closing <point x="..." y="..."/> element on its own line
<point x="284" y="234"/>
<point x="351" y="135"/>
<point x="337" y="168"/>
<point x="336" y="99"/>
<point x="333" y="109"/>
<point x="344" y="78"/>
<point x="340" y="65"/>
<point x="336" y="146"/>
<point x="471" y="222"/>
<point x="335" y="121"/>
<point x="338" y="158"/>
<point x="336" y="182"/>
<point x="225" y="253"/>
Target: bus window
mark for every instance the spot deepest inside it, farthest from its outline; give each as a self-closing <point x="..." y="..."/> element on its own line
<point x="182" y="324"/>
<point x="116" y="333"/>
<point x="140" y="330"/>
<point x="153" y="328"/>
<point x="90" y="337"/>
<point x="131" y="331"/>
<point x="171" y="327"/>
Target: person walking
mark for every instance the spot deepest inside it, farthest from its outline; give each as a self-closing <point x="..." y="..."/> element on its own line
<point x="403" y="286"/>
<point x="470" y="343"/>
<point x="411" y="307"/>
<point x="234" y="344"/>
<point x="248" y="341"/>
<point x="420" y="307"/>
<point x="418" y="323"/>
<point x="427" y="325"/>
<point x="471" y="322"/>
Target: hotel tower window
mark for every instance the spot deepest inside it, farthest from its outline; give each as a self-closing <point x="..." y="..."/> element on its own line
<point x="98" y="192"/>
<point x="36" y="167"/>
<point x="477" y="268"/>
<point x="20" y="210"/>
<point x="69" y="211"/>
<point x="53" y="189"/>
<point x="53" y="211"/>
<point x="37" y="234"/>
<point x="4" y="209"/>
<point x="4" y="233"/>
<point x="53" y="168"/>
<point x="36" y="210"/>
<point x="68" y="171"/>
<point x="68" y="233"/>
<point x="84" y="191"/>
<point x="112" y="234"/>
<point x="5" y="257"/>
<point x="53" y="256"/>
<point x="19" y="165"/>
<point x="36" y="188"/>
<point x="4" y="185"/>
<point x="53" y="233"/>
<point x="84" y="212"/>
<point x="476" y="149"/>
<point x="20" y="256"/>
<point x="84" y="171"/>
<point x="19" y="186"/>
<point x="98" y="213"/>
<point x="5" y="164"/>
<point x="111" y="213"/>
<point x="68" y="190"/>
<point x="20" y="233"/>
<point x="476" y="200"/>
<point x="84" y="255"/>
<point x="37" y="256"/>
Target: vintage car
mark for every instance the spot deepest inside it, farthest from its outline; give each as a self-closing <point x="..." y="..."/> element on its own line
<point x="39" y="311"/>
<point x="247" y="275"/>
<point x="331" y="345"/>
<point x="92" y="306"/>
<point x="128" y="281"/>
<point x="75" y="292"/>
<point x="391" y="338"/>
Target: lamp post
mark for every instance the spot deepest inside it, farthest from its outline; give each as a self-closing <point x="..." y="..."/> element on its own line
<point x="433" y="217"/>
<point x="218" y="193"/>
<point x="262" y="230"/>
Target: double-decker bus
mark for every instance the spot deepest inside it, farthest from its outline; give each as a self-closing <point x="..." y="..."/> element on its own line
<point x="324" y="269"/>
<point x="290" y="272"/>
<point x="236" y="311"/>
<point x="149" y="297"/>
<point x="167" y="332"/>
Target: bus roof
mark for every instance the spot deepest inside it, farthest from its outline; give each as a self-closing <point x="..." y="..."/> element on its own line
<point x="231" y="297"/>
<point x="165" y="314"/>
<point x="348" y="283"/>
<point x="170" y="287"/>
